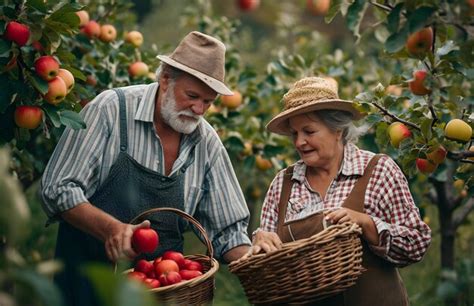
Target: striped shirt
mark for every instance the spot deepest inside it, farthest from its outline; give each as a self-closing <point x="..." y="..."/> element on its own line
<point x="404" y="237"/>
<point x="83" y="158"/>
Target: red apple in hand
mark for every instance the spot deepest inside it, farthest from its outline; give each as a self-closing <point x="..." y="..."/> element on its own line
<point x="28" y="117"/>
<point x="57" y="91"/>
<point x="145" y="240"/>
<point x="416" y="85"/>
<point x="175" y="256"/>
<point x="17" y="32"/>
<point x="47" y="67"/>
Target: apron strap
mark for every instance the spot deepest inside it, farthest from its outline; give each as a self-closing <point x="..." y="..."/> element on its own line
<point x="284" y="196"/>
<point x="355" y="200"/>
<point x="123" y="119"/>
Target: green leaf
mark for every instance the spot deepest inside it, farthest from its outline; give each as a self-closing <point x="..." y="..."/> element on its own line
<point x="43" y="287"/>
<point x="9" y="12"/>
<point x="271" y="150"/>
<point x="393" y="18"/>
<point x="72" y="119"/>
<point x="52" y="113"/>
<point x="396" y="41"/>
<point x="38" y="83"/>
<point x="446" y="48"/>
<point x="5" y="47"/>
<point x="333" y="10"/>
<point x="420" y="18"/>
<point x="426" y="128"/>
<point x="354" y="16"/>
<point x="38" y="5"/>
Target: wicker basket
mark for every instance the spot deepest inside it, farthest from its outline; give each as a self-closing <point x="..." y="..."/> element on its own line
<point x="304" y="270"/>
<point x="196" y="291"/>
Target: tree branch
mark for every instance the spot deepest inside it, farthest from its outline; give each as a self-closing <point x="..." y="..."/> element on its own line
<point x="461" y="155"/>
<point x="381" y="6"/>
<point x="396" y="118"/>
<point x="461" y="214"/>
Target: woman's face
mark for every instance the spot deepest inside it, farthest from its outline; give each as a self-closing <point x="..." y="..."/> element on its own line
<point x="316" y="144"/>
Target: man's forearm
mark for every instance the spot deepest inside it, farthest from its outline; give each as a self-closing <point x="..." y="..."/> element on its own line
<point x="236" y="253"/>
<point x="90" y="219"/>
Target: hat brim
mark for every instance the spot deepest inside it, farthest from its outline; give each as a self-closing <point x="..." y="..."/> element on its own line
<point x="279" y="124"/>
<point x="216" y="85"/>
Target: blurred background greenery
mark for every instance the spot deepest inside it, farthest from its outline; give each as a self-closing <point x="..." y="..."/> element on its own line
<point x="268" y="48"/>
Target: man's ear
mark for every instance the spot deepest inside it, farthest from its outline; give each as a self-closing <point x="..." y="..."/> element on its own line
<point x="164" y="80"/>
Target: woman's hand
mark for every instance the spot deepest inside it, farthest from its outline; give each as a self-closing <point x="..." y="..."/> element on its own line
<point x="341" y="215"/>
<point x="118" y="244"/>
<point x="262" y="240"/>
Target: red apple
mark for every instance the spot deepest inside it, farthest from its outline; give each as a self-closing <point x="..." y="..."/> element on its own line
<point x="425" y="166"/>
<point x="416" y="85"/>
<point x="135" y="38"/>
<point x="91" y="80"/>
<point x="175" y="256"/>
<point x="145" y="240"/>
<point x="152" y="283"/>
<point x="83" y="17"/>
<point x="419" y="43"/>
<point x="136" y="275"/>
<point x="47" y="67"/>
<point x="28" y="117"/>
<point x="189" y="274"/>
<point x="91" y="29"/>
<point x="318" y="7"/>
<point x="232" y="102"/>
<point x="138" y="69"/>
<point x="397" y="131"/>
<point x="144" y="266"/>
<point x="248" y="5"/>
<point x="57" y="91"/>
<point x="108" y="33"/>
<point x="165" y="266"/>
<point x="17" y="32"/>
<point x="67" y="77"/>
<point x="437" y="155"/>
<point x="169" y="278"/>
<point x="38" y="46"/>
<point x="193" y="265"/>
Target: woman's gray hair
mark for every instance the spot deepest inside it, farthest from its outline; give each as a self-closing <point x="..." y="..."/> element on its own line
<point x="337" y="120"/>
<point x="172" y="71"/>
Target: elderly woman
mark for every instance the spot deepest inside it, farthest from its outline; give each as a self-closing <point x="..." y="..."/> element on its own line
<point x="348" y="184"/>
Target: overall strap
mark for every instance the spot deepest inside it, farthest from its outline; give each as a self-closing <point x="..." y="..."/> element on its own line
<point x="123" y="119"/>
<point x="355" y="200"/>
<point x="285" y="195"/>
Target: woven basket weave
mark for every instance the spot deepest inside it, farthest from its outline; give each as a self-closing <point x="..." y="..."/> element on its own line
<point x="196" y="291"/>
<point x="304" y="270"/>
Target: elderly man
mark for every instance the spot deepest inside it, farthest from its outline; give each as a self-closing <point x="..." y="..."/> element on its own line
<point x="146" y="146"/>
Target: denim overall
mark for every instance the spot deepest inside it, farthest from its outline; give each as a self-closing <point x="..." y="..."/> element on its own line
<point x="129" y="190"/>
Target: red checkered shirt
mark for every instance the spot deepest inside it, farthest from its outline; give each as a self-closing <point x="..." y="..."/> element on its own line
<point x="404" y="237"/>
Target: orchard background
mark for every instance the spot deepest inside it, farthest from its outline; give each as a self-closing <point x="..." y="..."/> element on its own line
<point x="366" y="46"/>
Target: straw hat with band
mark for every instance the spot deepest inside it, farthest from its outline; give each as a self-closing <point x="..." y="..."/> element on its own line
<point x="202" y="56"/>
<point x="307" y="95"/>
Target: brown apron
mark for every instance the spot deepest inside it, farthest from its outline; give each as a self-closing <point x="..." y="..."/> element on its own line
<point x="381" y="284"/>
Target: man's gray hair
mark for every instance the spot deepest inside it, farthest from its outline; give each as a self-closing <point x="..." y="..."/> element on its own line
<point x="337" y="120"/>
<point x="172" y="71"/>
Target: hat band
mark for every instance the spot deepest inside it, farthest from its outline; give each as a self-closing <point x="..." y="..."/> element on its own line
<point x="301" y="96"/>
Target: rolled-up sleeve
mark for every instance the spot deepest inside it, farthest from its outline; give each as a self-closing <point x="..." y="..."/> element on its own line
<point x="222" y="210"/>
<point x="74" y="166"/>
<point x="404" y="237"/>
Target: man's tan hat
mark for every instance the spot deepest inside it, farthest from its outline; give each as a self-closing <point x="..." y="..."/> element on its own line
<point x="202" y="56"/>
<point x="307" y="95"/>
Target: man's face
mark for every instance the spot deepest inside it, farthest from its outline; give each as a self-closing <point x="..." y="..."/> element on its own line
<point x="184" y="103"/>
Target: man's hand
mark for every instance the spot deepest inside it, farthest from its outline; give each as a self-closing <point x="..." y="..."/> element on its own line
<point x="262" y="241"/>
<point x="118" y="243"/>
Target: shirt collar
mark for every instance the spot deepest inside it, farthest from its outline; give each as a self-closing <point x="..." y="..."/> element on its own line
<point x="352" y="164"/>
<point x="146" y="107"/>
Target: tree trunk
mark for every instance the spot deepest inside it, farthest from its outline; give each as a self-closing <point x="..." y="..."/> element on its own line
<point x="448" y="236"/>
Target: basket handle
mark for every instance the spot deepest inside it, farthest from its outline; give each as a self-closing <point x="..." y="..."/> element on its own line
<point x="184" y="215"/>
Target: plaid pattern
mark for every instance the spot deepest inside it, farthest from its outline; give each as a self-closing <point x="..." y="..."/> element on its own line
<point x="404" y="237"/>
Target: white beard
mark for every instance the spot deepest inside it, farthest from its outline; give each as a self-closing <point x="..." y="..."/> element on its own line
<point x="172" y="117"/>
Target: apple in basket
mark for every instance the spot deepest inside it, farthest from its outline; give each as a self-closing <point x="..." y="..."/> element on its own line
<point x="189" y="274"/>
<point x="192" y="265"/>
<point x="135" y="275"/>
<point x="152" y="282"/>
<point x="145" y="266"/>
<point x="145" y="240"/>
<point x="175" y="256"/>
<point x="166" y="266"/>
<point x="169" y="278"/>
